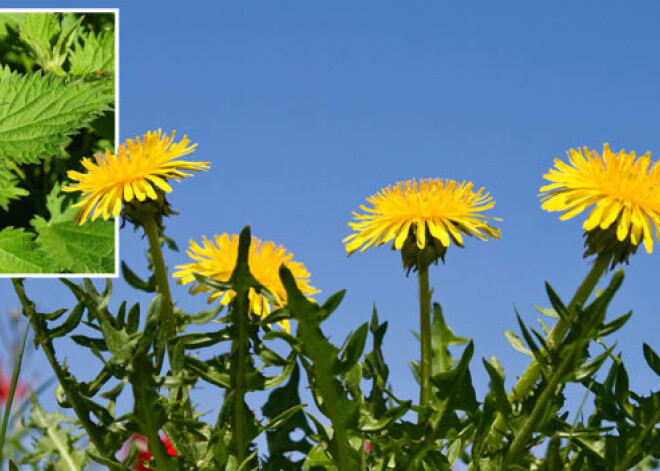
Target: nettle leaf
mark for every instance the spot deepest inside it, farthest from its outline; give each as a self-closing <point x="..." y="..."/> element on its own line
<point x="38" y="30"/>
<point x="49" y="38"/>
<point x="95" y="55"/>
<point x="60" y="205"/>
<point x="89" y="248"/>
<point x="79" y="249"/>
<point x="10" y="21"/>
<point x="38" y="112"/>
<point x="20" y="254"/>
<point x="9" y="189"/>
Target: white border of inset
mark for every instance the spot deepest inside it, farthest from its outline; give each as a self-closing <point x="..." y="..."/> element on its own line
<point x="82" y="10"/>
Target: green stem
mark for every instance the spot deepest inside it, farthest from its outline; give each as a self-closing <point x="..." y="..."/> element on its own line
<point x="168" y="321"/>
<point x="162" y="281"/>
<point x="95" y="433"/>
<point x="532" y="374"/>
<point x="239" y="355"/>
<point x="154" y="442"/>
<point x="522" y="437"/>
<point x="425" y="335"/>
<point x="12" y="389"/>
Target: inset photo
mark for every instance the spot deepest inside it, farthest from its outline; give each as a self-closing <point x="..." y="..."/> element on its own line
<point x="58" y="115"/>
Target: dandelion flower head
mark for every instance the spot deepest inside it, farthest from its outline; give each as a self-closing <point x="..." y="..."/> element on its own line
<point x="443" y="209"/>
<point x="622" y="191"/>
<point x="139" y="168"/>
<point x="216" y="259"/>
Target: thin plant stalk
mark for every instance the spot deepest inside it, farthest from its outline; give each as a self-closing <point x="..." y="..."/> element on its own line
<point x="167" y="319"/>
<point x="12" y="389"/>
<point x="94" y="432"/>
<point x="162" y="281"/>
<point x="425" y="335"/>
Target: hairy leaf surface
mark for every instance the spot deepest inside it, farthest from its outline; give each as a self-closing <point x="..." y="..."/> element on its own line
<point x="20" y="254"/>
<point x="38" y="112"/>
<point x="96" y="55"/>
<point x="9" y="189"/>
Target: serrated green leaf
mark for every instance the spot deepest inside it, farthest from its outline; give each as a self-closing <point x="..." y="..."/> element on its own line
<point x="60" y="205"/>
<point x="11" y="20"/>
<point x="89" y="248"/>
<point x="50" y="36"/>
<point x="39" y="112"/>
<point x="9" y="189"/>
<point x="95" y="55"/>
<point x="20" y="254"/>
<point x="39" y="30"/>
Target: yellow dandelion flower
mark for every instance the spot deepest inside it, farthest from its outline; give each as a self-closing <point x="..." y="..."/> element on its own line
<point x="441" y="209"/>
<point x="217" y="260"/>
<point x="140" y="167"/>
<point x="624" y="190"/>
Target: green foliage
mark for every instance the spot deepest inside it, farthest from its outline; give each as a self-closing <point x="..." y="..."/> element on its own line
<point x="358" y="422"/>
<point x="9" y="189"/>
<point x="39" y="112"/>
<point x="20" y="254"/>
<point x="79" y="249"/>
<point x="50" y="37"/>
<point x="96" y="55"/>
<point x="55" y="445"/>
<point x="55" y="109"/>
<point x="61" y="245"/>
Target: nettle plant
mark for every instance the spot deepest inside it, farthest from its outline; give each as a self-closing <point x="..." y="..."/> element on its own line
<point x="266" y="333"/>
<point x="56" y="106"/>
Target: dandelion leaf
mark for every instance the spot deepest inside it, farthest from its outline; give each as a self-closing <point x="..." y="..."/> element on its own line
<point x="57" y="446"/>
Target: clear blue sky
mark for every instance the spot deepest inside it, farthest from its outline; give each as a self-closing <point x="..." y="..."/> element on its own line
<point x="306" y="108"/>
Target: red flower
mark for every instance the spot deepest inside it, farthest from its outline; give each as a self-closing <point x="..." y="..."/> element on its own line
<point x="143" y="452"/>
<point x="5" y="383"/>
